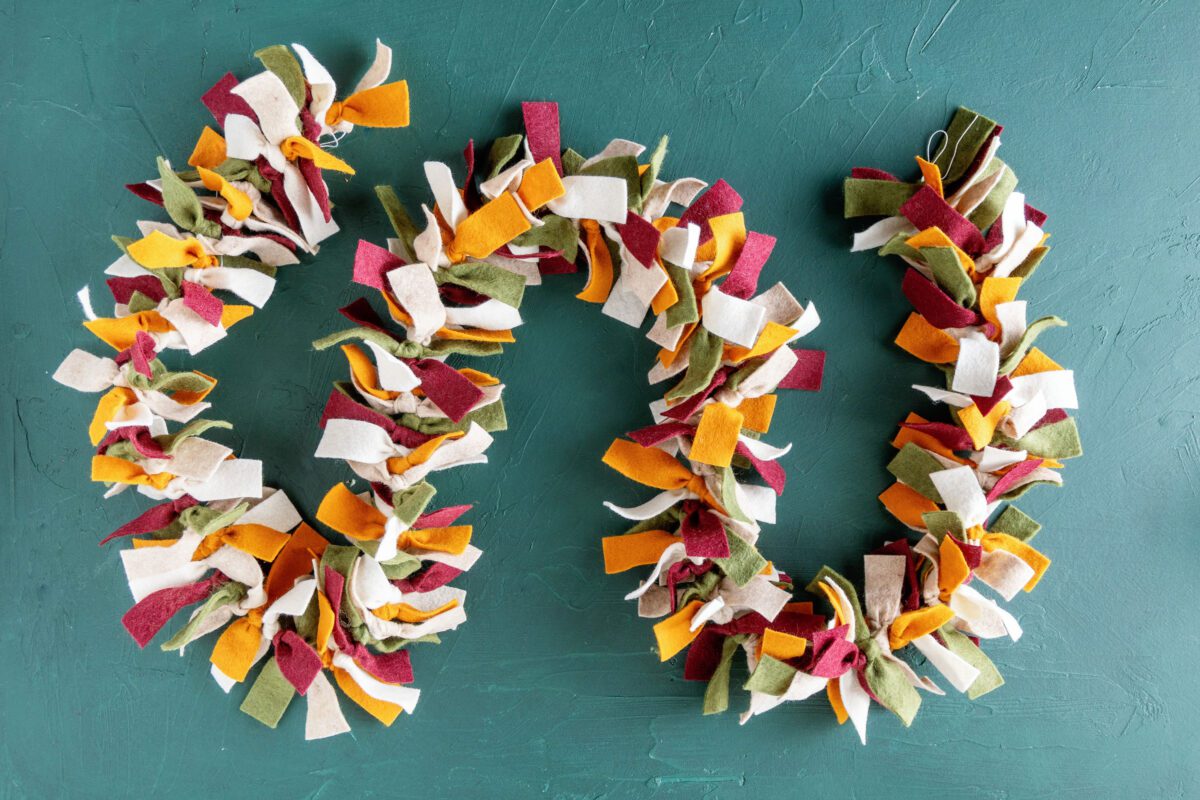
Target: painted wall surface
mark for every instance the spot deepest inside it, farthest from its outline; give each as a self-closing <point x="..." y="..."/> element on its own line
<point x="552" y="688"/>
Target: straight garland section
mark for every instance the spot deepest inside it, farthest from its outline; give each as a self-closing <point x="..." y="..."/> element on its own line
<point x="220" y="542"/>
<point x="452" y="283"/>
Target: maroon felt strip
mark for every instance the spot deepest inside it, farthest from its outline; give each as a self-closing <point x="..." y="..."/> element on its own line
<point x="446" y="387"/>
<point x="986" y="404"/>
<point x="152" y="612"/>
<point x="742" y="281"/>
<point x="339" y="406"/>
<point x="808" y="373"/>
<point x="437" y="576"/>
<point x="1010" y="479"/>
<point x="372" y="263"/>
<point x="220" y="100"/>
<point x="703" y="656"/>
<point x="556" y="265"/>
<point x="640" y="238"/>
<point x="948" y="435"/>
<point x="1052" y="416"/>
<point x="316" y="185"/>
<point x="872" y="174"/>
<point x="718" y="200"/>
<point x="703" y="534"/>
<point x="442" y="517"/>
<point x="387" y="667"/>
<point x="123" y="288"/>
<point x="656" y="434"/>
<point x="206" y="304"/>
<point x="541" y="132"/>
<point x="831" y="655"/>
<point x="772" y="474"/>
<point x="297" y="660"/>
<point x="152" y="519"/>
<point x="138" y="436"/>
<point x="360" y="313"/>
<point x="937" y="307"/>
<point x="926" y="209"/>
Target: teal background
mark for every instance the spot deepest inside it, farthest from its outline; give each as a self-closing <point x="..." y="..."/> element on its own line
<point x="552" y="688"/>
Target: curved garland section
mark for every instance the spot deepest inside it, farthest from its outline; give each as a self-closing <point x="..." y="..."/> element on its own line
<point x="220" y="541"/>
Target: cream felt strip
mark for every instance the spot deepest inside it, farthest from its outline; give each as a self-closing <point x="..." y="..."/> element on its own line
<point x="664" y="337"/>
<point x="733" y="319"/>
<point x="807" y="322"/>
<point x="445" y="193"/>
<point x="242" y="567"/>
<point x="392" y="530"/>
<point x="678" y="245"/>
<point x="195" y="459"/>
<point x="1012" y="224"/>
<point x="782" y="307"/>
<point x="991" y="459"/>
<point x="1021" y="419"/>
<point x="133" y="415"/>
<point x="633" y="292"/>
<point x="490" y="315"/>
<point x="1011" y="317"/>
<point x="682" y="192"/>
<point x="125" y="267"/>
<point x="653" y="507"/>
<point x="802" y="687"/>
<point x="167" y="408"/>
<point x="856" y="701"/>
<point x="292" y="603"/>
<point x="706" y="612"/>
<point x="1004" y="572"/>
<point x="427" y="245"/>
<point x="655" y="603"/>
<point x="616" y="147"/>
<point x="759" y="595"/>
<point x="883" y="584"/>
<point x="197" y="332"/>
<point x="975" y="370"/>
<point x="321" y="86"/>
<point x="377" y="73"/>
<point x="1056" y="387"/>
<point x="249" y="284"/>
<point x="324" y="714"/>
<point x="403" y="696"/>
<point x="942" y="396"/>
<point x="394" y="374"/>
<point x="272" y="103"/>
<point x="84" y="296"/>
<point x="595" y="197"/>
<point x="148" y="569"/>
<point x="984" y="617"/>
<point x="763" y="380"/>
<point x="673" y="554"/>
<point x="659" y="373"/>
<point x="525" y="268"/>
<point x="386" y="629"/>
<point x="460" y="561"/>
<point x="274" y="511"/>
<point x="224" y="681"/>
<point x="960" y="673"/>
<point x="762" y="450"/>
<point x="417" y="292"/>
<point x="235" y="478"/>
<point x="353" y="440"/>
<point x="505" y="181"/>
<point x="758" y="502"/>
<point x="1030" y="238"/>
<point x="881" y="233"/>
<point x="962" y="494"/>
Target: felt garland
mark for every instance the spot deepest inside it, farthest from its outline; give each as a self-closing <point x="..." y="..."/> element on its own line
<point x="219" y="541"/>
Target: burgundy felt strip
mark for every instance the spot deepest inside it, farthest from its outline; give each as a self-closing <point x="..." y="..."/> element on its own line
<point x="297" y="660"/>
<point x="742" y="281"/>
<point x="682" y="411"/>
<point x="704" y="656"/>
<point x="206" y="304"/>
<point x="994" y="237"/>
<point x="680" y="572"/>
<point x="152" y="612"/>
<point x="309" y="127"/>
<point x="437" y="576"/>
<point x="138" y="436"/>
<point x="1052" y="416"/>
<point x="316" y="185"/>
<point x="872" y="174"/>
<point x="152" y="519"/>
<point x="972" y="553"/>
<point x="937" y="307"/>
<point x="123" y="288"/>
<point x="986" y="404"/>
<point x="441" y="518"/>
<point x="1010" y="479"/>
<point x="808" y="373"/>
<point x="387" y="667"/>
<point x="146" y="192"/>
<point x="926" y="209"/>
<point x="339" y="406"/>
<point x="773" y="474"/>
<point x="360" y="313"/>
<point x="1034" y="216"/>
<point x="556" y="265"/>
<point x="951" y="436"/>
<point x="656" y="434"/>
<point x="640" y="238"/>
<point x="831" y="655"/>
<point x="469" y="193"/>
<point x="446" y="387"/>
<point x="541" y="132"/>
<point x="220" y="100"/>
<point x="718" y="200"/>
<point x="278" y="193"/>
<point x="141" y="353"/>
<point x="703" y="534"/>
<point x="460" y="295"/>
<point x="980" y="154"/>
<point x="372" y="263"/>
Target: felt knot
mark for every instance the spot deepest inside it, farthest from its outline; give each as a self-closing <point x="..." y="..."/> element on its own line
<point x="398" y="465"/>
<point x="383" y="106"/>
<point x="294" y="147"/>
<point x="336" y="113"/>
<point x="870" y="650"/>
<point x="159" y="251"/>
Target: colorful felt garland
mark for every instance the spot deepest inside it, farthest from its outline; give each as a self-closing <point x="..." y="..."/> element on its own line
<point x="220" y="541"/>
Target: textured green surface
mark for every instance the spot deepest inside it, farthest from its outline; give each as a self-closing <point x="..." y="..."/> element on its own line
<point x="551" y="688"/>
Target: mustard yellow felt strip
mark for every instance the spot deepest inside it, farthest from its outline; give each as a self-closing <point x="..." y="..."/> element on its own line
<point x="540" y="184"/>
<point x="674" y="634"/>
<point x="294" y="147"/>
<point x="110" y="469"/>
<point x="403" y="612"/>
<point x="494" y="225"/>
<point x="401" y="464"/>
<point x="385" y="106"/>
<point x="381" y="710"/>
<point x="343" y="510"/>
<point x="1035" y="361"/>
<point x="209" y="151"/>
<point x="915" y="624"/>
<point x="926" y="342"/>
<point x="364" y="372"/>
<point x="716" y="436"/>
<point x="159" y="251"/>
<point x="1037" y="561"/>
<point x="907" y="504"/>
<point x="952" y="568"/>
<point x="773" y="337"/>
<point x="453" y="539"/>
<point x="994" y="291"/>
<point x="234" y="652"/>
<point x="757" y="412"/>
<point x="631" y="550"/>
<point x="982" y="427"/>
<point x="782" y="646"/>
<point x="258" y="540"/>
<point x="239" y="202"/>
<point x="600" y="278"/>
<point x="110" y="404"/>
<point x="932" y="175"/>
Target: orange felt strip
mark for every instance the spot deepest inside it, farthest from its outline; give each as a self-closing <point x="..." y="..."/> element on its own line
<point x="782" y="646"/>
<point x="717" y="435"/>
<point x="631" y="550"/>
<point x="936" y="237"/>
<point x="209" y="151"/>
<point x="110" y="469"/>
<point x="994" y="291"/>
<point x="401" y="464"/>
<point x="932" y="175"/>
<point x="729" y="235"/>
<point x="600" y="277"/>
<point x="294" y="147"/>
<point x="119" y="333"/>
<point x="231" y="315"/>
<point x="403" y="612"/>
<point x="540" y="184"/>
<point x="1038" y="561"/>
<point x="666" y="296"/>
<point x="381" y="710"/>
<point x="364" y="372"/>
<point x="453" y="539"/>
<point x="383" y="106"/>
<point x="1035" y="361"/>
<point x="294" y="561"/>
<point x="674" y="633"/>
<point x="926" y="342"/>
<point x="648" y="466"/>
<point x="240" y="204"/>
<point x="111" y="402"/>
<point x="342" y="510"/>
<point x="325" y="620"/>
<point x="907" y="504"/>
<point x="494" y="225"/>
<point x="952" y="568"/>
<point x="667" y="357"/>
<point x="801" y="607"/>
<point x="833" y="691"/>
<point x="474" y="335"/>
<point x="757" y="412"/>
<point x="979" y="427"/>
<point x="234" y="652"/>
<point x="159" y="251"/>
<point x="191" y="398"/>
<point x="915" y="624"/>
<point x="258" y="540"/>
<point x="478" y="378"/>
<point x="773" y="337"/>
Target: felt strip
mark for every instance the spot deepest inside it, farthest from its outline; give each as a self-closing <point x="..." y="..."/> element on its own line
<point x="489" y="228"/>
<point x="542" y="132"/>
<point x="269" y="696"/>
<point x="718" y="200"/>
<point x="383" y="106"/>
<point x="622" y="553"/>
<point x="152" y="612"/>
<point x="717" y="435"/>
<point x="808" y="372"/>
<point x="937" y="307"/>
<point x="675" y="632"/>
<point x="921" y="339"/>
<point x="209" y="151"/>
<point x="925" y="209"/>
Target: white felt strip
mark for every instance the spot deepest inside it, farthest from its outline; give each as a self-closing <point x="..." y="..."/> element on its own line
<point x="354" y="440"/>
<point x="731" y="318"/>
<point x="678" y="245"/>
<point x="490" y="315"/>
<point x="417" y="292"/>
<point x="249" y="284"/>
<point x="85" y="372"/>
<point x="1004" y="572"/>
<point x="992" y="459"/>
<point x="235" y="478"/>
<point x="956" y="670"/>
<point x="962" y="494"/>
<point x="275" y="511"/>
<point x="445" y="193"/>
<point x="403" y="696"/>
<point x="324" y="717"/>
<point x="196" y="331"/>
<point x="394" y="374"/>
<point x="595" y="197"/>
<point x="881" y="233"/>
<point x="1057" y="388"/>
<point x="975" y="370"/>
<point x="1011" y="317"/>
<point x="682" y="191"/>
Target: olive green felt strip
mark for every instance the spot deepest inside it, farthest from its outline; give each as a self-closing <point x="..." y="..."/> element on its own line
<point x="912" y="466"/>
<point x="744" y="561"/>
<point x="204" y="520"/>
<point x="684" y="310"/>
<point x="495" y="282"/>
<point x="410" y="503"/>
<point x="399" y="567"/>
<point x="194" y="428"/>
<point x="866" y="197"/>
<point x="139" y="302"/>
<point x="655" y="166"/>
<point x="397" y="215"/>
<point x="729" y="496"/>
<point x="940" y="523"/>
<point x="555" y="233"/>
<point x="666" y="521"/>
<point x="716" y="695"/>
<point x="572" y="162"/>
<point x="182" y="204"/>
<point x="1016" y="523"/>
<point x="861" y="632"/>
<point x="771" y="676"/>
<point x="280" y="61"/>
<point x="967" y="133"/>
<point x="704" y="358"/>
<point x="700" y="588"/>
<point x="490" y="417"/>
<point x="891" y="688"/>
<point x="898" y="246"/>
<point x="229" y="592"/>
<point x="950" y="275"/>
<point x="990" y="208"/>
<point x="270" y="695"/>
<point x="959" y="644"/>
<point x="1058" y="440"/>
<point x="1030" y="264"/>
<point x="1035" y="329"/>
<point x="624" y="167"/>
<point x="501" y="152"/>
